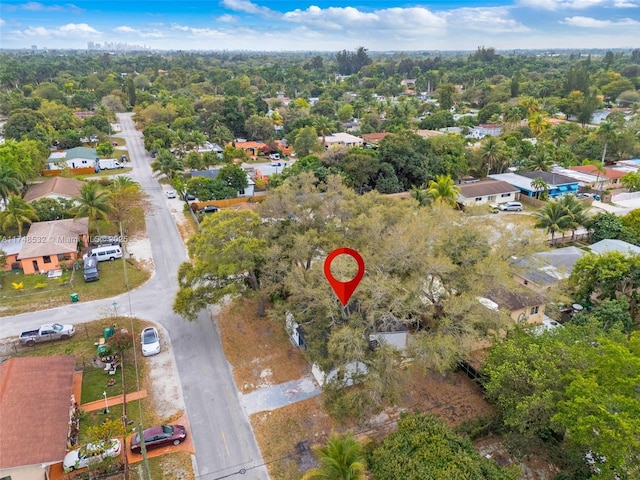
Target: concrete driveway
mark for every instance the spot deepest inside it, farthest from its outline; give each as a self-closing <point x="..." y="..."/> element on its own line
<point x="222" y="436"/>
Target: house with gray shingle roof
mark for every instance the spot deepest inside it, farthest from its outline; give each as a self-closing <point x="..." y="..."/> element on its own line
<point x="557" y="184"/>
<point x="487" y="191"/>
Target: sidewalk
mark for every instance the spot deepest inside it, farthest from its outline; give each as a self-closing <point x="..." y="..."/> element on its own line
<point x="281" y="395"/>
<point x="117" y="400"/>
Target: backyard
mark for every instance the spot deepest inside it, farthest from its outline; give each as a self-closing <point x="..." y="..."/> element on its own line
<point x="262" y="355"/>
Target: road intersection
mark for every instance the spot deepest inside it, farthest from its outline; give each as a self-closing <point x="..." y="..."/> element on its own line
<point x="222" y="435"/>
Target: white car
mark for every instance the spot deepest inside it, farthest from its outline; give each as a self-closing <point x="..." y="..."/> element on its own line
<point x="91" y="453"/>
<point x="171" y="194"/>
<point x="150" y="341"/>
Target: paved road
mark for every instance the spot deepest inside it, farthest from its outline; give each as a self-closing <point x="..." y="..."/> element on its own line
<point x="222" y="435"/>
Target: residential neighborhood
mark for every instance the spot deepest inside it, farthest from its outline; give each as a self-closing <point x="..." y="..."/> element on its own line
<point x="253" y="260"/>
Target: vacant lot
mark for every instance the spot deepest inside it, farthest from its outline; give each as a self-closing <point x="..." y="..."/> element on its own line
<point x="260" y="354"/>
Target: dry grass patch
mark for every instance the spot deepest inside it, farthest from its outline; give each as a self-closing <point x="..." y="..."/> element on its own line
<point x="258" y="350"/>
<point x="455" y="397"/>
<point x="278" y="432"/>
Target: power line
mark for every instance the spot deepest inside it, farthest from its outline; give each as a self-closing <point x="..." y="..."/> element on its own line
<point x="243" y="471"/>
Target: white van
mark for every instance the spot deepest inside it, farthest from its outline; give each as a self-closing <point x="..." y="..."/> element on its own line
<point x="107" y="252"/>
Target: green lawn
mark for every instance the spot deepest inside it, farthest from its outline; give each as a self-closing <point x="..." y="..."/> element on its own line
<point x="40" y="293"/>
<point x="94" y="380"/>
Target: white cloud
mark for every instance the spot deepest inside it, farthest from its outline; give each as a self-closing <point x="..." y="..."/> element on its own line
<point x="39" y="7"/>
<point x="588" y="22"/>
<point x="226" y="18"/>
<point x="350" y="18"/>
<point x="486" y="19"/>
<point x="247" y="7"/>
<point x="70" y="30"/>
<point x="2" y="22"/>
<point x="562" y="4"/>
<point x="125" y="29"/>
<point x="626" y="3"/>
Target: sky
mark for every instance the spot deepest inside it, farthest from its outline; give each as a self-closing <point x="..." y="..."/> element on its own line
<point x="322" y="25"/>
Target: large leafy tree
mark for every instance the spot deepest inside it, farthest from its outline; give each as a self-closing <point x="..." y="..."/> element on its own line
<point x="608" y="276"/>
<point x="227" y="256"/>
<point x="600" y="409"/>
<point x="424" y="448"/>
<point x="568" y="384"/>
<point x="407" y="153"/>
<point x="341" y="459"/>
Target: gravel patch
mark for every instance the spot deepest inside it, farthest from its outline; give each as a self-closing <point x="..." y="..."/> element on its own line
<point x="163" y="382"/>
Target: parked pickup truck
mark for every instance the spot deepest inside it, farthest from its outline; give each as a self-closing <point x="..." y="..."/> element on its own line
<point x="47" y="333"/>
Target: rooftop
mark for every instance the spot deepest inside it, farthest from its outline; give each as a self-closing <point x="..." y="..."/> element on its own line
<point x="53" y="238"/>
<point x="41" y="437"/>
<point x="60" y="186"/>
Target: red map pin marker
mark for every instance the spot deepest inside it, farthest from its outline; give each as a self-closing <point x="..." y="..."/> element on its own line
<point x="344" y="290"/>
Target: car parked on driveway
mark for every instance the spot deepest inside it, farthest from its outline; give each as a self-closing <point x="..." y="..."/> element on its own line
<point x="150" y="341"/>
<point x="171" y="194"/>
<point x="91" y="453"/>
<point x="510" y="207"/>
<point x="210" y="209"/>
<point x="159" y="436"/>
<point x="189" y="197"/>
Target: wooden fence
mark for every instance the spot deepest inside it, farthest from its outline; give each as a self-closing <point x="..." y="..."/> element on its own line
<point x="72" y="171"/>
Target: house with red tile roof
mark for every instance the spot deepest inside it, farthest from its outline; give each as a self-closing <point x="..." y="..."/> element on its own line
<point x="253" y="149"/>
<point x="37" y="409"/>
<point x="610" y="179"/>
<point x="373" y="139"/>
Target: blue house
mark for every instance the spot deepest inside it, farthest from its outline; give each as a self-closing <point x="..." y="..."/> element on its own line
<point x="558" y="185"/>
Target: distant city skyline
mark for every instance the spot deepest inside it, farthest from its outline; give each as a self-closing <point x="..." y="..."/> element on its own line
<point x="323" y="25"/>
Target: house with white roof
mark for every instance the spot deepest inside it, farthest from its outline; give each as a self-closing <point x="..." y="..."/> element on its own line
<point x="341" y="139"/>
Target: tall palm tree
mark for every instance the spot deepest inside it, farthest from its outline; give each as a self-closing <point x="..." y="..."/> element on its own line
<point x="538" y="124"/>
<point x="553" y="217"/>
<point x="341" y="459"/>
<point x="540" y="186"/>
<point x="542" y="158"/>
<point x="10" y="181"/>
<point x="492" y="153"/>
<point x="600" y="170"/>
<point x="442" y="190"/>
<point x="17" y="212"/>
<point x="324" y="126"/>
<point x="576" y="209"/>
<point x="607" y="132"/>
<point x="559" y="133"/>
<point x="94" y="203"/>
<point x="166" y="163"/>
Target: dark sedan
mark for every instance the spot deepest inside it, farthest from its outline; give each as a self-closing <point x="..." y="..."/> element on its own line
<point x="159" y="437"/>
